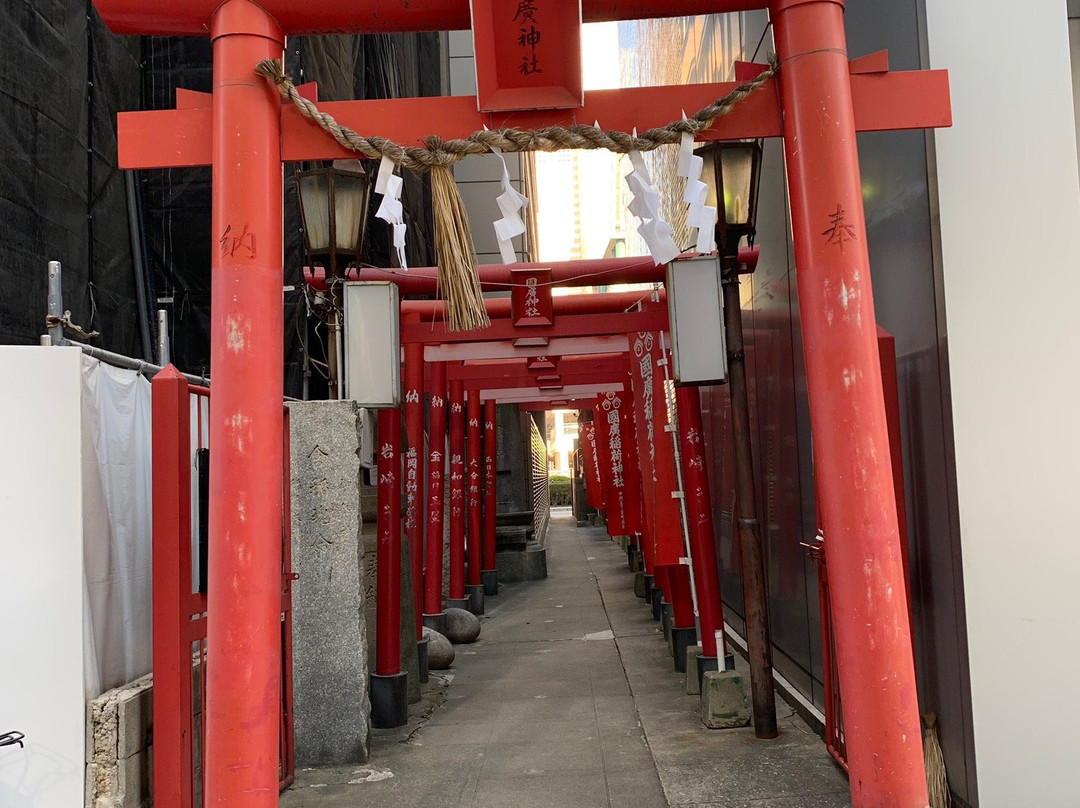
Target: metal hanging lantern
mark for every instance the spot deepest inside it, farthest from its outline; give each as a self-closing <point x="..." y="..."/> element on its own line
<point x="333" y="206"/>
<point x="732" y="170"/>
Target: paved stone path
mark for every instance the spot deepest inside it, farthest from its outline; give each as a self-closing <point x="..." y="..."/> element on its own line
<point x="569" y="700"/>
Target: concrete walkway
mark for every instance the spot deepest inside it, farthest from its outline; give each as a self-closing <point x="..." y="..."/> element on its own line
<point x="570" y="700"/>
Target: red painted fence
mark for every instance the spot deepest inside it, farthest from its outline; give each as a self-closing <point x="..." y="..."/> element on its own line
<point x="180" y="653"/>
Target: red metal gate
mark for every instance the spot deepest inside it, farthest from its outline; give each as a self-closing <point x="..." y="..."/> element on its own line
<point x="180" y="653"/>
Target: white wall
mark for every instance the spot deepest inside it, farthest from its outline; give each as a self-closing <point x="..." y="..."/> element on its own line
<point x="1010" y="225"/>
<point x="41" y="595"/>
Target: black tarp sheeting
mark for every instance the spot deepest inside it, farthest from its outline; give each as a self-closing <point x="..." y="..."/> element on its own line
<point x="63" y="77"/>
<point x="178" y="200"/>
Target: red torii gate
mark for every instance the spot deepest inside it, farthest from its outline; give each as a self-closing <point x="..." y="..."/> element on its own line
<point x="244" y="134"/>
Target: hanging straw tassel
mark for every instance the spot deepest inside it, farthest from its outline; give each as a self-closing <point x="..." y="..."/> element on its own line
<point x="459" y="283"/>
<point x="937" y="784"/>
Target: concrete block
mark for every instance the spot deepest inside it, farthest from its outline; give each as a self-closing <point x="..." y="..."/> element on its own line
<point x="134" y="778"/>
<point x="135" y="717"/>
<point x="330" y="661"/>
<point x="89" y="785"/>
<point x="118" y="727"/>
<point x="529" y="564"/>
<point x="725" y="702"/>
<point x="693" y="686"/>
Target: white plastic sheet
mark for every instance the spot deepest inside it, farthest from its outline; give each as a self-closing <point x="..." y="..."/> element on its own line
<point x="116" y="465"/>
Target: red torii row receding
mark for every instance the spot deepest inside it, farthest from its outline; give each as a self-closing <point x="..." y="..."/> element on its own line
<point x="652" y="528"/>
<point x="243" y="132"/>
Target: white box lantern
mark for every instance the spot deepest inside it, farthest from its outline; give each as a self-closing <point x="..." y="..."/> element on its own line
<point x="372" y="344"/>
<point x="695" y="301"/>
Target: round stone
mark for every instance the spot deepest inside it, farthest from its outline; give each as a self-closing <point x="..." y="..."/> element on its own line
<point x="440" y="651"/>
<point x="462" y="626"/>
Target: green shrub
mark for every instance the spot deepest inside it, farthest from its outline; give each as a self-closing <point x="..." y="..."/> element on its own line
<point x="559" y="493"/>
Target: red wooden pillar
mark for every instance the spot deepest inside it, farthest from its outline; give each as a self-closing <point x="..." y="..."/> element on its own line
<point x="243" y="694"/>
<point x="593" y="487"/>
<point x="389" y="692"/>
<point x="171" y="414"/>
<point x="414" y="507"/>
<point x="702" y="547"/>
<point x="474" y="478"/>
<point x="847" y="417"/>
<point x="642" y="368"/>
<point x="489" y="573"/>
<point x="433" y="575"/>
<point x="457" y="597"/>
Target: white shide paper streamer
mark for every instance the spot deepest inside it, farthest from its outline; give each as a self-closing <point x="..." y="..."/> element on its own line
<point x="390" y="211"/>
<point x="699" y="215"/>
<point x="510" y="203"/>
<point x="645" y="205"/>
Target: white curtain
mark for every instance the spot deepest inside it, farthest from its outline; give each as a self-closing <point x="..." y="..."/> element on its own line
<point x="116" y="429"/>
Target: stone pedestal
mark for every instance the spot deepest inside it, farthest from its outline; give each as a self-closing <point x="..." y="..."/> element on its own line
<point x="330" y="663"/>
<point x="725" y="703"/>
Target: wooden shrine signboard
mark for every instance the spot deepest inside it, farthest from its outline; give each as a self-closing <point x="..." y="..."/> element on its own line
<point x="530" y="297"/>
<point x="528" y="54"/>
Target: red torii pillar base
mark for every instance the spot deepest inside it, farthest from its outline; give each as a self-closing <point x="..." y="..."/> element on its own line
<point x="682" y="630"/>
<point x="389" y="684"/>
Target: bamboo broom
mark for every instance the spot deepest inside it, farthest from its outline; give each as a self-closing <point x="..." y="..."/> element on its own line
<point x="937" y="785"/>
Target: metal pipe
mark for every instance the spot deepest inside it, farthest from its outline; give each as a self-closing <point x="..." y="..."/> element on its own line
<point x="673" y="430"/>
<point x="164" y="348"/>
<point x="388" y="546"/>
<point x="699" y="511"/>
<point x="121" y="361"/>
<point x="139" y="267"/>
<point x="755" y="591"/>
<point x="414" y="505"/>
<point x="433" y="578"/>
<point x="490" y="492"/>
<point x="55" y="304"/>
<point x="475" y="483"/>
<point x="457" y="490"/>
<point x="243" y="696"/>
<point x="499" y="277"/>
<point x="851" y="450"/>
